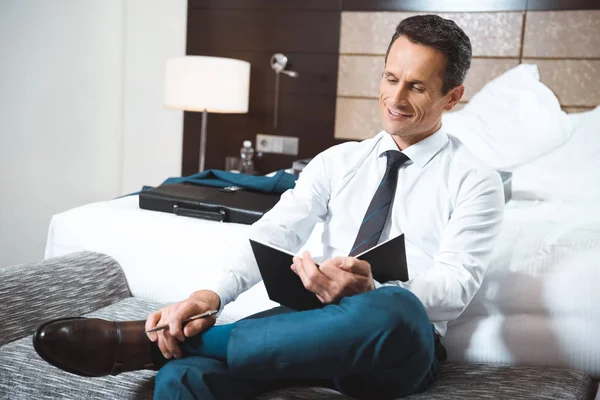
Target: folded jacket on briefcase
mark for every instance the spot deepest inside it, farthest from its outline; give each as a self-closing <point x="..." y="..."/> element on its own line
<point x="207" y="202"/>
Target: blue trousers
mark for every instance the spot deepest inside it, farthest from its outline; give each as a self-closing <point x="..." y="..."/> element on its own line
<point x="376" y="345"/>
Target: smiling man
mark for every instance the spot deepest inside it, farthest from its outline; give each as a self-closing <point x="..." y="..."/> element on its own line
<point x="372" y="340"/>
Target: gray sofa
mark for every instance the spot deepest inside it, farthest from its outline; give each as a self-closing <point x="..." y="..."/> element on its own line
<point x="93" y="284"/>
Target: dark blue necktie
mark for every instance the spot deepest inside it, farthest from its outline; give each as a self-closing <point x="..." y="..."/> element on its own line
<point x="376" y="215"/>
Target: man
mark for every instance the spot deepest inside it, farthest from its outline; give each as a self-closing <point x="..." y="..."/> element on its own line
<point x="373" y="339"/>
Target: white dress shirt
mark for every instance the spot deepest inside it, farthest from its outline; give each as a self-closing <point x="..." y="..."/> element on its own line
<point x="448" y="204"/>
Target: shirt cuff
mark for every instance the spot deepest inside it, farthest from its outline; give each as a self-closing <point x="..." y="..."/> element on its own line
<point x="389" y="283"/>
<point x="225" y="287"/>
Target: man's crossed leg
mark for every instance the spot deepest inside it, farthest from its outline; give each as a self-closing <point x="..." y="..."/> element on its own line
<point x="378" y="344"/>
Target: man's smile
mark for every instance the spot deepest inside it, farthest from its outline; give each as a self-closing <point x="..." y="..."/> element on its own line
<point x="398" y="115"/>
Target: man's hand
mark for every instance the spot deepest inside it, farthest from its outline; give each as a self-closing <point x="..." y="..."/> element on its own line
<point x="335" y="278"/>
<point x="174" y="315"/>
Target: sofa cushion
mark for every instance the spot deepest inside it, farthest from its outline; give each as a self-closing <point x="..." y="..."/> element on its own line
<point x="76" y="284"/>
<point x="23" y="375"/>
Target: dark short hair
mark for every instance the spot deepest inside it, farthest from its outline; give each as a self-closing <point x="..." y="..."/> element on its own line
<point x="443" y="35"/>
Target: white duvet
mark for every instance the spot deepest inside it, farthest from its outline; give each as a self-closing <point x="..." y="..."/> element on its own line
<point x="540" y="301"/>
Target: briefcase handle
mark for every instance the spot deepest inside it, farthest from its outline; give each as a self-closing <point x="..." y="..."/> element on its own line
<point x="220" y="216"/>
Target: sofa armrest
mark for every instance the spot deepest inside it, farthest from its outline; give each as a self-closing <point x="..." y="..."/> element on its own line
<point x="70" y="285"/>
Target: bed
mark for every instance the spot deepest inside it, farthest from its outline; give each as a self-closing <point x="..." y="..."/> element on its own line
<point x="538" y="303"/>
<point x="537" y="306"/>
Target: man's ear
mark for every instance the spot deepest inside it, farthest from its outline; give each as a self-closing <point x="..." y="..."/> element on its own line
<point x="454" y="97"/>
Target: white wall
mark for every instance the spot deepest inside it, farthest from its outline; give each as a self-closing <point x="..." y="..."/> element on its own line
<point x="81" y="116"/>
<point x="155" y="30"/>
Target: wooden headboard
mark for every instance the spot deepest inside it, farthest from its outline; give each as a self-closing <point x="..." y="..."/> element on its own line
<point x="564" y="44"/>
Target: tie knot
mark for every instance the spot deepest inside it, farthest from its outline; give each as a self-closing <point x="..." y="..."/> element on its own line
<point x="395" y="158"/>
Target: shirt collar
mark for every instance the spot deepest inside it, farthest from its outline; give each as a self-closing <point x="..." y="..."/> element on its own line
<point x="419" y="153"/>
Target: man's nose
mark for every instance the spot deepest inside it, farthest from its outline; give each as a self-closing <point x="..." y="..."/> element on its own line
<point x="400" y="95"/>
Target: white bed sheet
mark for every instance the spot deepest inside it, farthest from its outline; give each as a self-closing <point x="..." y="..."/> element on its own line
<point x="539" y="304"/>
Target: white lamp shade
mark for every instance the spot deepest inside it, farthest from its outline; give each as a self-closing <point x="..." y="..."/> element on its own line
<point x="214" y="84"/>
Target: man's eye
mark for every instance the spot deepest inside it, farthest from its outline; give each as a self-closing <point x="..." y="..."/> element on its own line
<point x="392" y="80"/>
<point x="419" y="89"/>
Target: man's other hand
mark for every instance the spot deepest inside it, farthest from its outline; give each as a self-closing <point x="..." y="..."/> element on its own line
<point x="174" y="315"/>
<point x="336" y="278"/>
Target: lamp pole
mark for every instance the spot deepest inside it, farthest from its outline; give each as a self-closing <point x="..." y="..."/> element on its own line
<point x="279" y="62"/>
<point x="203" y="140"/>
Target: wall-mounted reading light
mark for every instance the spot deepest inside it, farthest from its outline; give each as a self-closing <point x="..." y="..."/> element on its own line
<point x="279" y="62"/>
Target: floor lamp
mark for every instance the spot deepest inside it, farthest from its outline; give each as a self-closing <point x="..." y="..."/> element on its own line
<point x="207" y="85"/>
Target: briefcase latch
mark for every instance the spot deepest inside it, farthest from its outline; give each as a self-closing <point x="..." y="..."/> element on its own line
<point x="230" y="189"/>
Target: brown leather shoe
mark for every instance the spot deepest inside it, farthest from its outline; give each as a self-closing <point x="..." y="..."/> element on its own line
<point x="96" y="347"/>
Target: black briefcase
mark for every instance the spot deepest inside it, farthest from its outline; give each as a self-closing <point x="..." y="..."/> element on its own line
<point x="225" y="205"/>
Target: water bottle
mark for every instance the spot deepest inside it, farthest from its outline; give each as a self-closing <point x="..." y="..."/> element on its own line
<point x="247" y="158"/>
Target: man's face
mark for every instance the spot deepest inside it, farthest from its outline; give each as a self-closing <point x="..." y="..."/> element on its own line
<point x="411" y="99"/>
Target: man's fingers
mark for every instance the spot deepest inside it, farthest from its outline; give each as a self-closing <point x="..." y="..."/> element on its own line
<point x="171" y="344"/>
<point x="348" y="275"/>
<point x="354" y="265"/>
<point x="307" y="257"/>
<point x="176" y="330"/>
<point x="308" y="272"/>
<point x="321" y="299"/>
<point x="151" y="322"/>
<point x="312" y="270"/>
<point x="162" y="345"/>
<point x="333" y="272"/>
<point x="175" y="315"/>
<point x="183" y="311"/>
<point x="299" y="270"/>
<point x="200" y="325"/>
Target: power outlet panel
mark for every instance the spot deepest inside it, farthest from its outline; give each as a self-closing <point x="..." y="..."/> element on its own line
<point x="277" y="144"/>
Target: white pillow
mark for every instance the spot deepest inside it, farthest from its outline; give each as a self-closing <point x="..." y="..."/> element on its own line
<point x="512" y="120"/>
<point x="571" y="172"/>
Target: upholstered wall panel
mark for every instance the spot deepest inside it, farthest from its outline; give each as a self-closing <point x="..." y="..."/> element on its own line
<point x="571" y="110"/>
<point x="564" y="44"/>
<point x="575" y="82"/>
<point x="357" y="119"/>
<point x="564" y="34"/>
<point x="492" y="34"/>
<point x="484" y="70"/>
<point x="360" y="75"/>
<point x="368" y="32"/>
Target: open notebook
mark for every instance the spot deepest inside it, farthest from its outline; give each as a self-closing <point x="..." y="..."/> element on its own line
<point x="387" y="259"/>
